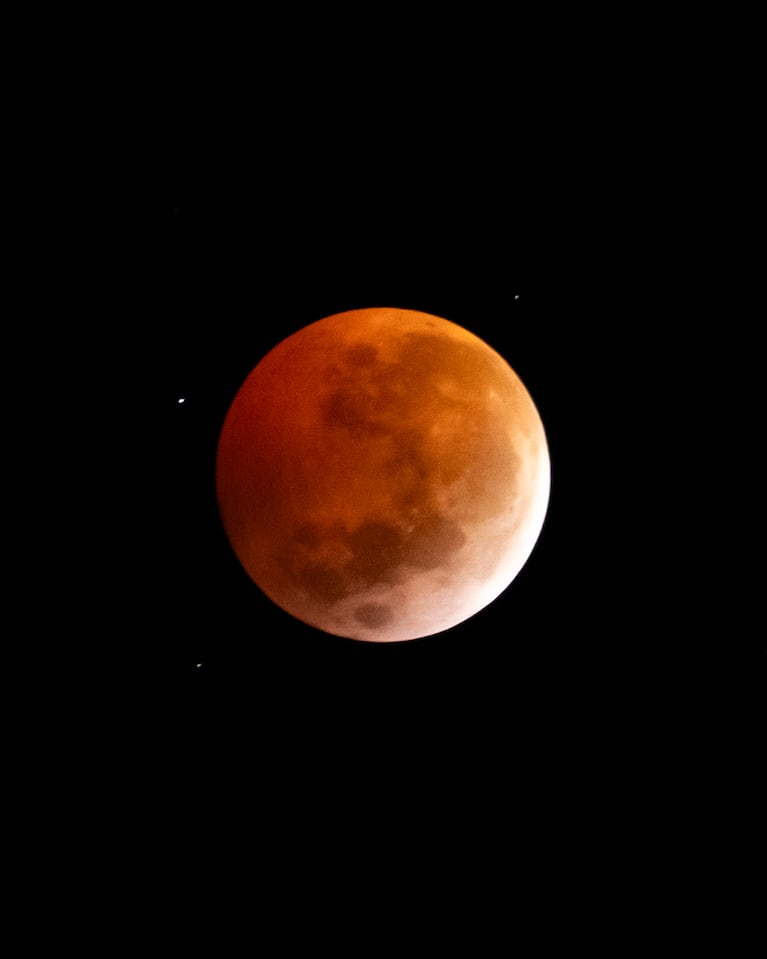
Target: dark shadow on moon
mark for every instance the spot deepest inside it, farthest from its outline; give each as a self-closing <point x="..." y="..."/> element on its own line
<point x="376" y="553"/>
<point x="382" y="399"/>
<point x="363" y="354"/>
<point x="376" y="548"/>
<point x="373" y="615"/>
<point x="322" y="582"/>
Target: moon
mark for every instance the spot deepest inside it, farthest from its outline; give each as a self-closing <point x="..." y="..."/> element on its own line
<point x="382" y="474"/>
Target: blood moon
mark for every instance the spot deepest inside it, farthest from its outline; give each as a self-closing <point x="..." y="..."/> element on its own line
<point x="382" y="474"/>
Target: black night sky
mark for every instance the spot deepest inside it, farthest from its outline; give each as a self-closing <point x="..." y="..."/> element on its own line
<point x="179" y="205"/>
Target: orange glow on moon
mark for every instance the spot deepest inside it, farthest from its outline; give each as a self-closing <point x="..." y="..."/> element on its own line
<point x="382" y="474"/>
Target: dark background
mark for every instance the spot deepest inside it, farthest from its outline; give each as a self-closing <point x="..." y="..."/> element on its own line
<point x="182" y="191"/>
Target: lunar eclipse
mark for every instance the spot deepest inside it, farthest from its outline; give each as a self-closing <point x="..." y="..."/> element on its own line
<point x="382" y="474"/>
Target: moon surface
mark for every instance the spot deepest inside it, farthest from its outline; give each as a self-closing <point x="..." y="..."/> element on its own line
<point x="382" y="474"/>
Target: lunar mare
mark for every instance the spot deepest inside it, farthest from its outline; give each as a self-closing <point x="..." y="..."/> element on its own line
<point x="382" y="474"/>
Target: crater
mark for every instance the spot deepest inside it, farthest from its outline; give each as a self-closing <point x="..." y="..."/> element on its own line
<point x="323" y="582"/>
<point x="362" y="354"/>
<point x="355" y="411"/>
<point x="373" y="615"/>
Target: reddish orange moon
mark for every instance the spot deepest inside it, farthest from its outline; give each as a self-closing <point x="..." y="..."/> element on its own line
<point x="382" y="474"/>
